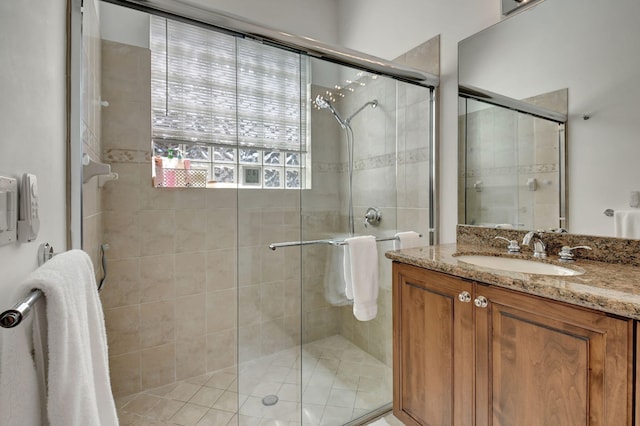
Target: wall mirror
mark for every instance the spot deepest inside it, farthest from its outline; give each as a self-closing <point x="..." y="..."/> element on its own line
<point x="572" y="54"/>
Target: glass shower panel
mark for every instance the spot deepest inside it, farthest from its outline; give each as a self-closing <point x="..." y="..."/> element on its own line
<point x="302" y="355"/>
<point x="346" y="364"/>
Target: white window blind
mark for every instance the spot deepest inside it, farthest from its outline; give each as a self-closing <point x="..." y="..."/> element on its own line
<point x="212" y="88"/>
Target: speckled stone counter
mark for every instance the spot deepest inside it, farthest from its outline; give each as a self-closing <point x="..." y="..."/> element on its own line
<point x="609" y="287"/>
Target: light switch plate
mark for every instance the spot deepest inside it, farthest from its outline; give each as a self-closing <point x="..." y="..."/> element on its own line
<point x="9" y="206"/>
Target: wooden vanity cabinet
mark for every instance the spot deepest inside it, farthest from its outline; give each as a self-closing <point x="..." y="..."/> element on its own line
<point x="500" y="357"/>
<point x="432" y="348"/>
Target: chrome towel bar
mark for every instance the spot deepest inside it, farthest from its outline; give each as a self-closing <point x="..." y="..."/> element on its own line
<point x="275" y="246"/>
<point x="14" y="316"/>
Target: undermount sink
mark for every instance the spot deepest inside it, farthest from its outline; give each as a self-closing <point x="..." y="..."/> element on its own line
<point x="518" y="265"/>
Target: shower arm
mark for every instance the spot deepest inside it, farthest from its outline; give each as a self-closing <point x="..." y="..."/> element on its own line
<point x="373" y="104"/>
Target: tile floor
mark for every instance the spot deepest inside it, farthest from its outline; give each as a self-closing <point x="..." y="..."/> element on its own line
<point x="329" y="382"/>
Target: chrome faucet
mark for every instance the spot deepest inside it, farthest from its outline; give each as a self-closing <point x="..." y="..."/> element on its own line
<point x="539" y="246"/>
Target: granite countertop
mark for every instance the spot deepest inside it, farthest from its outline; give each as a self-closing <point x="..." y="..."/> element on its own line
<point x="608" y="287"/>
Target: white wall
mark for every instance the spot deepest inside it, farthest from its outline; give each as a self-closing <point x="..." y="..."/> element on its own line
<point x="387" y="29"/>
<point x="32" y="119"/>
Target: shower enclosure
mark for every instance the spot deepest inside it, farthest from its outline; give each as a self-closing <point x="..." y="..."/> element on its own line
<point x="307" y="349"/>
<point x="227" y="303"/>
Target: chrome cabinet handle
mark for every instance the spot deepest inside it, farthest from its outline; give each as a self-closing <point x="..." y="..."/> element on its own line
<point x="464" y="297"/>
<point x="481" y="302"/>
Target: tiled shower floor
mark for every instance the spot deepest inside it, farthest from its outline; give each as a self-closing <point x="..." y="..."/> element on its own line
<point x="340" y="382"/>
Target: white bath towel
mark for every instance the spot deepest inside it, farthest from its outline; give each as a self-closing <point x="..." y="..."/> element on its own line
<point x="361" y="276"/>
<point x="334" y="283"/>
<point x="406" y="240"/>
<point x="78" y="386"/>
<point x="20" y="399"/>
<point x="627" y="223"/>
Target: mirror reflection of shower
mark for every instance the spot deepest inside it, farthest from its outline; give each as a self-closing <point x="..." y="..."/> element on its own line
<point x="323" y="103"/>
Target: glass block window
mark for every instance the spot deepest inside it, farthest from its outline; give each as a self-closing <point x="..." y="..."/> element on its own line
<point x="228" y="105"/>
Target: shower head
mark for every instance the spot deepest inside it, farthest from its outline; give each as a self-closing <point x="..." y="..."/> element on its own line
<point x="322" y="103"/>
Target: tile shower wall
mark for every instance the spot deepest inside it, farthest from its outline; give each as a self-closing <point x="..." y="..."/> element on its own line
<point x="171" y="300"/>
<point x="92" y="233"/>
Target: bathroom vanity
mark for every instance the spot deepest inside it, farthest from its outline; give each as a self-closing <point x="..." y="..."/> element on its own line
<point x="480" y="346"/>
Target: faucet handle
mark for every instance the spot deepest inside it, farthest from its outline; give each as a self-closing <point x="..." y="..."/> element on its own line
<point x="566" y="253"/>
<point x="513" y="244"/>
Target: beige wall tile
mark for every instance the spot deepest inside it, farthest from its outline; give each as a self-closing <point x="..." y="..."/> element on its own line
<point x="191" y="199"/>
<point x="249" y="343"/>
<point x="157" y="323"/>
<point x="157" y="278"/>
<point x="190" y="230"/>
<point x="249" y="305"/>
<point x="190" y="316"/>
<point x="272" y="300"/>
<point x="249" y="225"/>
<point x="273" y="336"/>
<point x="126" y="374"/>
<point x="123" y="284"/>
<point x="221" y="349"/>
<point x="221" y="310"/>
<point x="221" y="228"/>
<point x="157" y="231"/>
<point x="124" y="193"/>
<point x="122" y="232"/>
<point x="221" y="269"/>
<point x="249" y="265"/>
<point x="154" y="198"/>
<point x="191" y="273"/>
<point x="191" y="357"/>
<point x="123" y="329"/>
<point x="272" y="264"/>
<point x="125" y="123"/>
<point x="158" y="366"/>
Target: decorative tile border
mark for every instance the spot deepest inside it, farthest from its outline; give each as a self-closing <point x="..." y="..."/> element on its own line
<point x="504" y="171"/>
<point x="386" y="160"/>
<point x="126" y="156"/>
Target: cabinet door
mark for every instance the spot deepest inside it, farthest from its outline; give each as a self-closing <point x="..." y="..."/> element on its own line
<point x="547" y="363"/>
<point x="433" y="348"/>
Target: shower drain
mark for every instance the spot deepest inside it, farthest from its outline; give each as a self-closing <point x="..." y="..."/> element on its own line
<point x="270" y="400"/>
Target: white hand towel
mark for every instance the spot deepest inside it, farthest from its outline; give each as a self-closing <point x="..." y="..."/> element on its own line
<point x="361" y="276"/>
<point x="78" y="386"/>
<point x="406" y="240"/>
<point x="334" y="282"/>
<point x="627" y="223"/>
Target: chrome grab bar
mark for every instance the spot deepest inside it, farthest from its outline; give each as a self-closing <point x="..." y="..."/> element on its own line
<point x="336" y="243"/>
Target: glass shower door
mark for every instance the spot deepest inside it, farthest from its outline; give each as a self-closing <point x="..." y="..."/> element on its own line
<point x="303" y="358"/>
